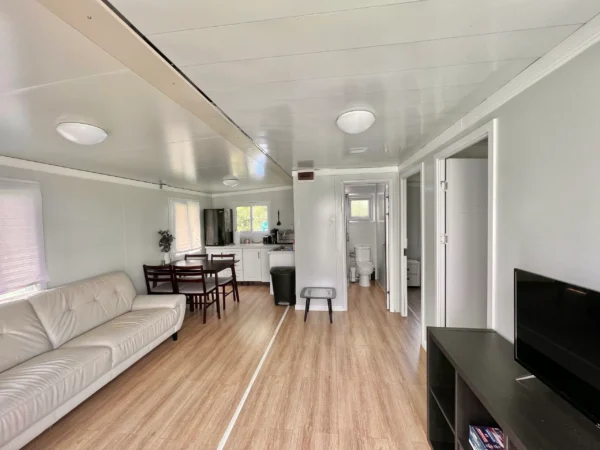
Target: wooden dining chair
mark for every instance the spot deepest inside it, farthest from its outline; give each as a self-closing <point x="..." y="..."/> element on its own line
<point x="192" y="282"/>
<point x="159" y="280"/>
<point x="227" y="281"/>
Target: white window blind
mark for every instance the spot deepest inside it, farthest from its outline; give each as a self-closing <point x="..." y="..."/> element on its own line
<point x="22" y="257"/>
<point x="186" y="224"/>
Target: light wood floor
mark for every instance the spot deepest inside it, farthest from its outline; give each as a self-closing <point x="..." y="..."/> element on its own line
<point x="356" y="384"/>
<point x="414" y="301"/>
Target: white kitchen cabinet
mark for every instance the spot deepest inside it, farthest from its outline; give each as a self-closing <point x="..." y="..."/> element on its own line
<point x="265" y="267"/>
<point x="252" y="259"/>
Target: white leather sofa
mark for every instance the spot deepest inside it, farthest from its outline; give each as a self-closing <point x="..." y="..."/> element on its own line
<point x="59" y="347"/>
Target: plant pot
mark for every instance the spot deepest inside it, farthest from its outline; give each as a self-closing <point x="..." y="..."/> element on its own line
<point x="166" y="258"/>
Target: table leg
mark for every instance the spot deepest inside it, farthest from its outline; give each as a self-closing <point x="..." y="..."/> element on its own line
<point x="330" y="311"/>
<point x="236" y="294"/>
<point x="306" y="308"/>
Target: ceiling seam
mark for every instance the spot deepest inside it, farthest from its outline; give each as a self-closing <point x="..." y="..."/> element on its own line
<point x="335" y="11"/>
<point x="295" y="80"/>
<point x="493" y="33"/>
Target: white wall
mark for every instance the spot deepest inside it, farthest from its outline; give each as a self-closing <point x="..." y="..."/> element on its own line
<point x="315" y="225"/>
<point x="413" y="219"/>
<point x="281" y="200"/>
<point x="93" y="227"/>
<point x="548" y="213"/>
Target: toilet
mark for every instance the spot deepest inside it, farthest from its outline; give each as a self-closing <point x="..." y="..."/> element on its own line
<point x="364" y="265"/>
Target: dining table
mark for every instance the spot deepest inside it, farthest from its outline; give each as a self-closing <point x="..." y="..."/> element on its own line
<point x="212" y="267"/>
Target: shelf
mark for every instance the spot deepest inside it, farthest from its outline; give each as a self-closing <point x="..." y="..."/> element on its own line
<point x="465" y="445"/>
<point x="443" y="446"/>
<point x="445" y="399"/>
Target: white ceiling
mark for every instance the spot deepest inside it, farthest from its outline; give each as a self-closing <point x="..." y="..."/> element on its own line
<point x="51" y="73"/>
<point x="284" y="70"/>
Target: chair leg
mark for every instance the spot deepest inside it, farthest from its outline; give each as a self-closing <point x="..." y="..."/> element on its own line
<point x="203" y="308"/>
<point x="306" y="308"/>
<point x="191" y="300"/>
<point x="224" y="297"/>
<point x="174" y="336"/>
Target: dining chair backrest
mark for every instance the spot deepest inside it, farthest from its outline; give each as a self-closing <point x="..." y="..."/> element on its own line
<point x="189" y="274"/>
<point x="196" y="256"/>
<point x="222" y="256"/>
<point x="155" y="275"/>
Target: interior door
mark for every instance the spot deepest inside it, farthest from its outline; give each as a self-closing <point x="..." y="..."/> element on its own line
<point x="466" y="248"/>
<point x="404" y="247"/>
<point x="385" y="246"/>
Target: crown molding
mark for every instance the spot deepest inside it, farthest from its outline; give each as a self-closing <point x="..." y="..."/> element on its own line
<point x="582" y="39"/>
<point x="76" y="173"/>
<point x="252" y="191"/>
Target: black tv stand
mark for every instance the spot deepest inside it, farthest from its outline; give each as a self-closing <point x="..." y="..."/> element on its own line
<point x="472" y="380"/>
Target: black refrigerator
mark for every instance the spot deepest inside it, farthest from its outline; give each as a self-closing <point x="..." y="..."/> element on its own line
<point x="218" y="227"/>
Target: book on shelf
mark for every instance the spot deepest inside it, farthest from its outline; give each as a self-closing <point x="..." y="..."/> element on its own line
<point x="486" y="438"/>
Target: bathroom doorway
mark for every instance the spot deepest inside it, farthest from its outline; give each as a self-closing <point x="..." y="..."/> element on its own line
<point x="367" y="235"/>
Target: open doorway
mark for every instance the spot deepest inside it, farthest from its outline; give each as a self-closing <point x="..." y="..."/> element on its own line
<point x="465" y="222"/>
<point x="412" y="229"/>
<point x="413" y="245"/>
<point x="367" y="230"/>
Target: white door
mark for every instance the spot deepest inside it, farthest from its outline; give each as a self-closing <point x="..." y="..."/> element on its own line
<point x="252" y="265"/>
<point x="404" y="247"/>
<point x="386" y="210"/>
<point x="466" y="249"/>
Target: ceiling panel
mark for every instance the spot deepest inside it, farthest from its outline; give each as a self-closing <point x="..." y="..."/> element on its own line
<point x="51" y="73"/>
<point x="528" y="44"/>
<point x="361" y="84"/>
<point x="159" y="16"/>
<point x="369" y="27"/>
<point x="37" y="48"/>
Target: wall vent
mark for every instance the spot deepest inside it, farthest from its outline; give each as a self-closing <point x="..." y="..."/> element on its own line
<point x="306" y="176"/>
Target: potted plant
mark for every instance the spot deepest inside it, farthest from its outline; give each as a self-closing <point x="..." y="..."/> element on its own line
<point x="165" y="242"/>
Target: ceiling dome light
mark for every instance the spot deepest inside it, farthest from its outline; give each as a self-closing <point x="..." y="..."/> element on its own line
<point x="230" y="181"/>
<point x="81" y="133"/>
<point x="357" y="121"/>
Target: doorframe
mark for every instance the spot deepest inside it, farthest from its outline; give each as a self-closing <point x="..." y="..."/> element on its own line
<point x="418" y="168"/>
<point x="387" y="175"/>
<point x="488" y="131"/>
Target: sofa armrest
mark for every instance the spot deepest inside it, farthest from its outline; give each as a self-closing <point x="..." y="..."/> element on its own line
<point x="158" y="301"/>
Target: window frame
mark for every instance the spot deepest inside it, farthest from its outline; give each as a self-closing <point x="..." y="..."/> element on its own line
<point x="172" y="225"/>
<point x="267" y="204"/>
<point x="355" y="197"/>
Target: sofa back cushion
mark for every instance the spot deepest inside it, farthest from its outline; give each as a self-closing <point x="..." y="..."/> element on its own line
<point x="22" y="335"/>
<point x="71" y="310"/>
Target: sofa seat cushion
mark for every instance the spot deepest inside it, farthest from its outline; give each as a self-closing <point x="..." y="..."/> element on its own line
<point x="129" y="333"/>
<point x="35" y="388"/>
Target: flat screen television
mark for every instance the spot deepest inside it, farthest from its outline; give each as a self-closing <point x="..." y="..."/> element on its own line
<point x="557" y="338"/>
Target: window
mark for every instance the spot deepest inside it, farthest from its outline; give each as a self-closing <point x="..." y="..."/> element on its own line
<point x="185" y="222"/>
<point x="252" y="218"/>
<point x="22" y="257"/>
<point x="361" y="208"/>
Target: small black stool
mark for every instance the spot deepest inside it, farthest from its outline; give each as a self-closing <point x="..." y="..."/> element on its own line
<point x="318" y="293"/>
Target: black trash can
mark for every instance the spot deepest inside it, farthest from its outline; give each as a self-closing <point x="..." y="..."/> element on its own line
<point x="284" y="285"/>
